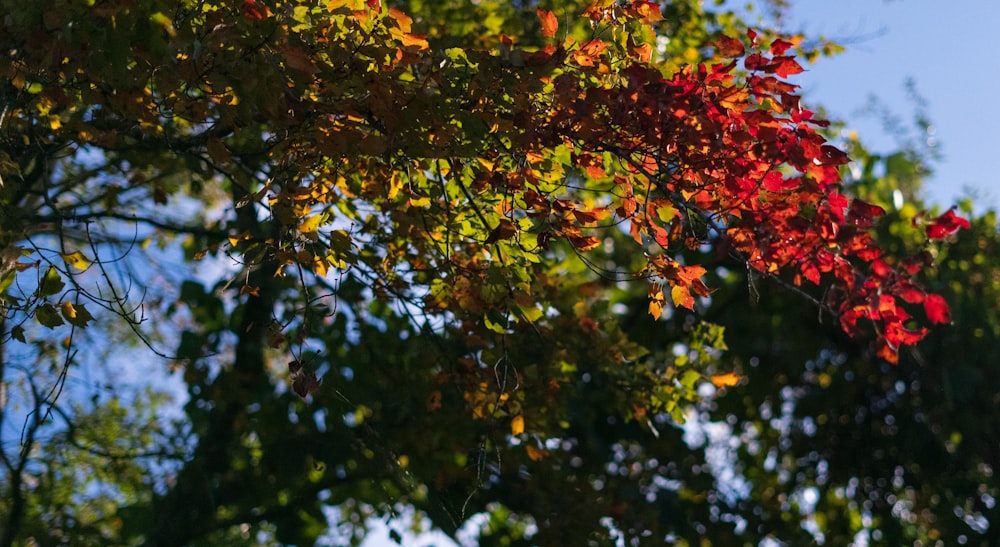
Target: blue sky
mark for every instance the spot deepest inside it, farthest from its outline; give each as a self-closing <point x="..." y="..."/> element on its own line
<point x="948" y="49"/>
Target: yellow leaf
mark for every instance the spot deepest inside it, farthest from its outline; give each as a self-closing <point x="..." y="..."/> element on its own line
<point x="724" y="380"/>
<point x="656" y="300"/>
<point x="517" y="425"/>
<point x="320" y="266"/>
<point x="353" y="5"/>
<point x="655" y="308"/>
<point x="395" y="185"/>
<point x="164" y="21"/>
<point x="487" y="164"/>
<point x="77" y="260"/>
<point x="310" y="225"/>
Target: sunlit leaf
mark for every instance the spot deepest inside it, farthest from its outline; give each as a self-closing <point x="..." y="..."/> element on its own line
<point x="727" y="379"/>
<point x="76" y="314"/>
<point x="937" y="309"/>
<point x="77" y="260"/>
<point x="52" y="283"/>
<point x="549" y="22"/>
<point x="681" y="296"/>
<point x="535" y="453"/>
<point x="517" y="425"/>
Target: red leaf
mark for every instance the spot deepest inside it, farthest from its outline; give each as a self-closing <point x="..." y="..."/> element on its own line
<point x="774" y="181"/>
<point x="862" y="213"/>
<point x="583" y="243"/>
<point x="305" y="384"/>
<point x="946" y="225"/>
<point x="255" y="11"/>
<point x="897" y="335"/>
<point x="937" y="309"/>
<point x="755" y="62"/>
<point x="779" y="46"/>
<point x="800" y="115"/>
<point x="910" y="293"/>
<point x="586" y="217"/>
<point x="811" y="271"/>
<point x="505" y="230"/>
<point x="730" y="47"/>
<point x="785" y="66"/>
<point x="833" y="155"/>
<point x="549" y="22"/>
<point x="881" y="268"/>
<point x="887" y="304"/>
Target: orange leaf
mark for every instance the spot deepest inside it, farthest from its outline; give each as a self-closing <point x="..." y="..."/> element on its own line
<point x="535" y="453"/>
<point x="549" y="22"/>
<point x="434" y="400"/>
<point x="725" y="380"/>
<point x="403" y="20"/>
<point x="249" y="289"/>
<point x="419" y="40"/>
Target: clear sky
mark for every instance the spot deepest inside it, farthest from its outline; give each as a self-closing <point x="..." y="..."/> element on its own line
<point x="948" y="48"/>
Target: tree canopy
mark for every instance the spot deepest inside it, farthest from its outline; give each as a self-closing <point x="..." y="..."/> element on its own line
<point x="465" y="259"/>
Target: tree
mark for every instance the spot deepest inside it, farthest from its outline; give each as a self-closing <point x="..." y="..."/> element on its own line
<point x="443" y="223"/>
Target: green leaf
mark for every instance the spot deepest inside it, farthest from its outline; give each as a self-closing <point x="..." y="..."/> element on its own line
<point x="495" y="327"/>
<point x="689" y="378"/>
<point x="52" y="283"/>
<point x="529" y="313"/>
<point x="47" y="316"/>
<point x="6" y="280"/>
<point x="76" y="315"/>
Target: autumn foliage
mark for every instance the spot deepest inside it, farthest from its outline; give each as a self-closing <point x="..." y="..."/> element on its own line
<point x="455" y="173"/>
<point x="352" y="166"/>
